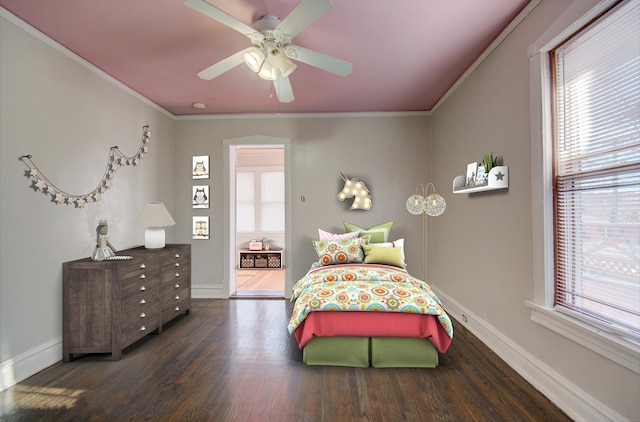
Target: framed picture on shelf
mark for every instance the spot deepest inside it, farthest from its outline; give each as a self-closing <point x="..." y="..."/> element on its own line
<point x="200" y="196"/>
<point x="481" y="176"/>
<point x="472" y="169"/>
<point x="200" y="166"/>
<point x="200" y="227"/>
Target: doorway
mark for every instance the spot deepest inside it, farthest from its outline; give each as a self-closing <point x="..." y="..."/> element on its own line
<point x="258" y="217"/>
<point x="260" y="228"/>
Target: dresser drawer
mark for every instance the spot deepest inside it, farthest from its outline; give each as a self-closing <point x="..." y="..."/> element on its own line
<point x="143" y="301"/>
<point x="173" y="307"/>
<point x="141" y="283"/>
<point x="139" y="327"/>
<point x="175" y="295"/>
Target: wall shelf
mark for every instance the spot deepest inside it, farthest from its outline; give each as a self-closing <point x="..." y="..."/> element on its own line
<point x="498" y="179"/>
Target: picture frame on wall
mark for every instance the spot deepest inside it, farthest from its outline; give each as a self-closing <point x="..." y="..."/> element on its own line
<point x="472" y="169"/>
<point x="200" y="227"/>
<point x="200" y="166"/>
<point x="200" y="196"/>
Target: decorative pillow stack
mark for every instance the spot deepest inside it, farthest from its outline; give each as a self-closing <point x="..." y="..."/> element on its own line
<point x="360" y="245"/>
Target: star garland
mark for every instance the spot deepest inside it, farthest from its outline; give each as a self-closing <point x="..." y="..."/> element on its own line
<point x="116" y="160"/>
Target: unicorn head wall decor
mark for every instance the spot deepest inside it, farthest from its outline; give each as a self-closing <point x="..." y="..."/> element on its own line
<point x="355" y="188"/>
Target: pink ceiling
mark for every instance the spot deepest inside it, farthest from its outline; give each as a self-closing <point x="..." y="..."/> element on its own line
<point x="406" y="53"/>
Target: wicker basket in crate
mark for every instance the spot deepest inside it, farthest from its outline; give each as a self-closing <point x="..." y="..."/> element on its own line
<point x="246" y="261"/>
<point x="260" y="261"/>
<point x="274" y="261"/>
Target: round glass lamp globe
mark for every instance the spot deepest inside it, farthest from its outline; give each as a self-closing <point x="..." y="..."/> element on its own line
<point x="415" y="204"/>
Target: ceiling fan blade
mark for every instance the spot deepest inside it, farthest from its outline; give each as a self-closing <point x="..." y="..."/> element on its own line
<point x="303" y="15"/>
<point x="319" y="60"/>
<point x="283" y="89"/>
<point x="223" y="17"/>
<point x="223" y="65"/>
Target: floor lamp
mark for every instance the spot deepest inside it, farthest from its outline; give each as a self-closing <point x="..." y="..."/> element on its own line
<point x="433" y="205"/>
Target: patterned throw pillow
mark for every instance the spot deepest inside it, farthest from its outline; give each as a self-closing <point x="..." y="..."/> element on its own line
<point x="379" y="233"/>
<point x="323" y="235"/>
<point x="344" y="251"/>
<point x="382" y="255"/>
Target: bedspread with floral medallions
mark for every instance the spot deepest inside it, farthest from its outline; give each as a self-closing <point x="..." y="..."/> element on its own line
<point x="364" y="287"/>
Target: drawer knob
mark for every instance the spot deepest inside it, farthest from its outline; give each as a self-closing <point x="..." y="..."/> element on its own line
<point x="142" y="276"/>
<point x="177" y="255"/>
<point x="177" y="264"/>
<point x="142" y="288"/>
<point x="177" y="274"/>
<point x="177" y="308"/>
<point x="142" y="315"/>
<point x="142" y="301"/>
<point x="177" y="286"/>
<point x="143" y="328"/>
<point x="177" y="297"/>
<point x="142" y="266"/>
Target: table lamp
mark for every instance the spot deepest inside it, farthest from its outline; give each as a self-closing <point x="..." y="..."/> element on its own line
<point x="154" y="217"/>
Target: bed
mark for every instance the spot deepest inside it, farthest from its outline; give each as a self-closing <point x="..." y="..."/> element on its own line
<point x="358" y="306"/>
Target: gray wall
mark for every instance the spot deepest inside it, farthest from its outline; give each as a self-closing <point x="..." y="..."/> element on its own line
<point x="389" y="153"/>
<point x="67" y="117"/>
<point x="481" y="248"/>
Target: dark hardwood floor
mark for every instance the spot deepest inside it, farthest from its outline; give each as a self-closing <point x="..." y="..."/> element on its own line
<point x="233" y="360"/>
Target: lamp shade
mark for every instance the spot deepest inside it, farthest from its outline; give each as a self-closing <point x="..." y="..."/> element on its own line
<point x="267" y="72"/>
<point x="434" y="205"/>
<point x="154" y="216"/>
<point x="254" y="59"/>
<point x="415" y="204"/>
<point x="280" y="61"/>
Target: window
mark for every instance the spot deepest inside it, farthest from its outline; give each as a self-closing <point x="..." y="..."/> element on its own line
<point x="260" y="200"/>
<point x="596" y="172"/>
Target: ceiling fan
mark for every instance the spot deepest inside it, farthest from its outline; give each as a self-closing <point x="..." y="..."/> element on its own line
<point x="272" y="49"/>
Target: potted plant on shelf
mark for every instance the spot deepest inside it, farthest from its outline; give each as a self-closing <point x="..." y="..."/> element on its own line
<point x="489" y="161"/>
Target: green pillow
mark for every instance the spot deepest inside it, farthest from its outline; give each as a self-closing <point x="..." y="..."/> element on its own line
<point x="381" y="255"/>
<point x="379" y="233"/>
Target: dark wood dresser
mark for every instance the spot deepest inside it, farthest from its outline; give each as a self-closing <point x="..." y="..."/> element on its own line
<point x="108" y="305"/>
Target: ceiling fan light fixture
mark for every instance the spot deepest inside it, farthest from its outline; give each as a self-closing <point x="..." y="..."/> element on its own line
<point x="280" y="61"/>
<point x="254" y="58"/>
<point x="268" y="72"/>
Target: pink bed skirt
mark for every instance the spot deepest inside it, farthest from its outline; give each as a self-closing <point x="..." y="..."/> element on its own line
<point x="372" y="324"/>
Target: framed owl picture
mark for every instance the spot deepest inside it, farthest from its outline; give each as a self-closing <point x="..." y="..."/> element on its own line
<point x="200" y="198"/>
<point x="200" y="227"/>
<point x="200" y="166"/>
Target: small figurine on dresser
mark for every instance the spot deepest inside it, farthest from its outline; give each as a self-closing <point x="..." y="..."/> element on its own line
<point x="103" y="249"/>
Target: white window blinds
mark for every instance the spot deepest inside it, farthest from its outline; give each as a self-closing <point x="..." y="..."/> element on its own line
<point x="597" y="171"/>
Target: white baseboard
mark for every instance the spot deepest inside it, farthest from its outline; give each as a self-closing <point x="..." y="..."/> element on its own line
<point x="566" y="395"/>
<point x="208" y="292"/>
<point x="21" y="367"/>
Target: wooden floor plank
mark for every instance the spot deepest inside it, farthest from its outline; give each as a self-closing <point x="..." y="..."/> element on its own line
<point x="233" y="360"/>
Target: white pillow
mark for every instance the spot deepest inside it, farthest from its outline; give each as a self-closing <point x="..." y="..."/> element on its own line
<point x="395" y="244"/>
<point x="323" y="235"/>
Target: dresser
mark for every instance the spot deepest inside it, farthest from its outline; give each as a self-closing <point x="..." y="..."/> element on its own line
<point x="108" y="305"/>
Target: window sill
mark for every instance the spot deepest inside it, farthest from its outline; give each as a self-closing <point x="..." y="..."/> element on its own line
<point x="613" y="347"/>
